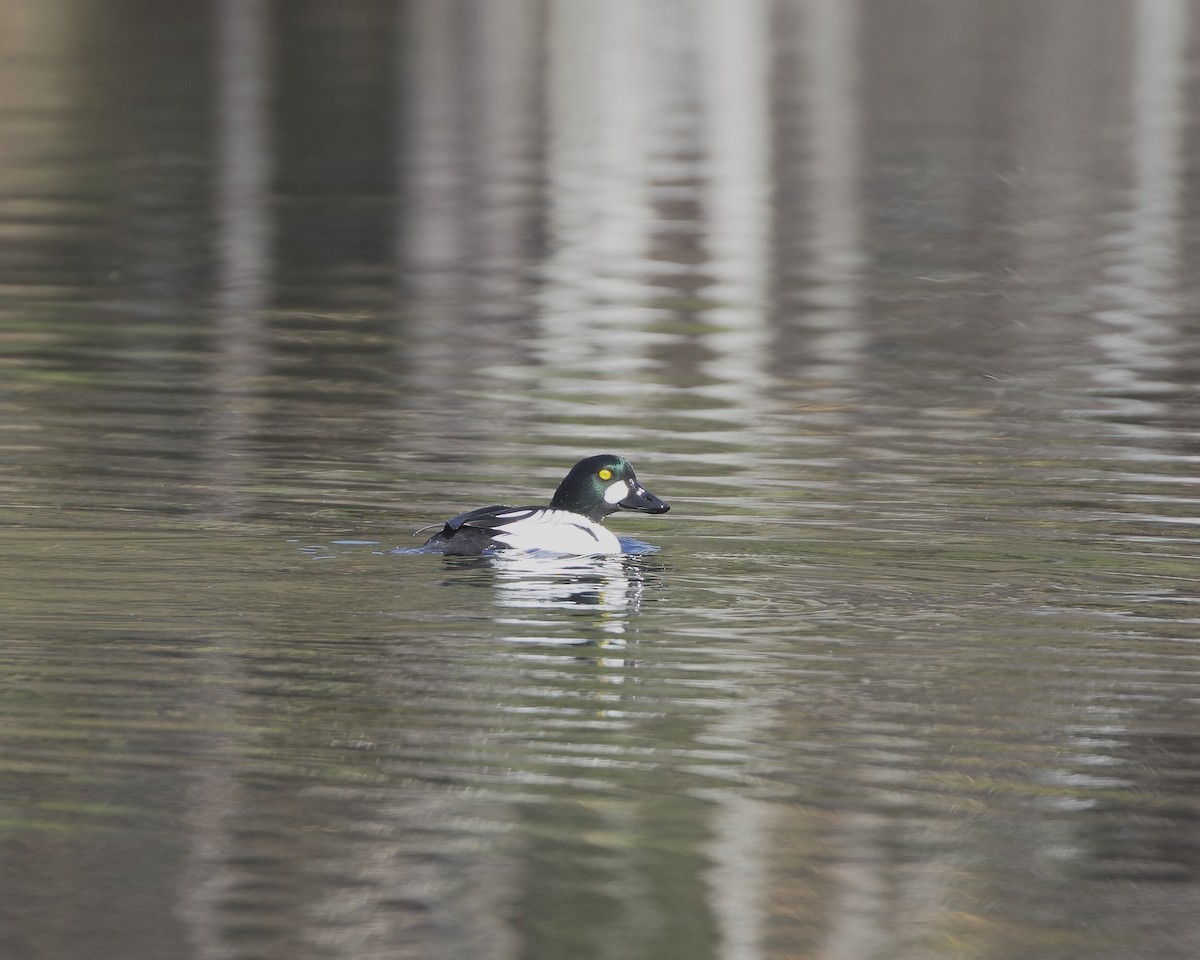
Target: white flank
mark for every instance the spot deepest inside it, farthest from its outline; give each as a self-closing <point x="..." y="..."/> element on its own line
<point x="559" y="531"/>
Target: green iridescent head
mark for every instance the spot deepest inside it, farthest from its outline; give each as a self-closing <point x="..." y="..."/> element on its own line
<point x="603" y="484"/>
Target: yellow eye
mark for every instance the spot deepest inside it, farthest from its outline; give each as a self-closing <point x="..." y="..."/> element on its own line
<point x="606" y="474"/>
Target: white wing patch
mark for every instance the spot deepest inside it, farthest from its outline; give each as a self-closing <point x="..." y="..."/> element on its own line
<point x="559" y="531"/>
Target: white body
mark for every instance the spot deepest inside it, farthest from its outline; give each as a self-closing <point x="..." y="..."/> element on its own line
<point x="557" y="531"/>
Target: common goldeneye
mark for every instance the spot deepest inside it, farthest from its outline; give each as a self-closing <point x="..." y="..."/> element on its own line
<point x="593" y="489"/>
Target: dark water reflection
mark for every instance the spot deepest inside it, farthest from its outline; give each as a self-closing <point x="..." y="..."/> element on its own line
<point x="893" y="302"/>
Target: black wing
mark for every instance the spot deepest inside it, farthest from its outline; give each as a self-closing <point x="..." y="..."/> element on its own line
<point x="488" y="518"/>
<point x="470" y="533"/>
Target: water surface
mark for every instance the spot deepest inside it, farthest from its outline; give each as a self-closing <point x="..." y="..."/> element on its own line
<point x="894" y="303"/>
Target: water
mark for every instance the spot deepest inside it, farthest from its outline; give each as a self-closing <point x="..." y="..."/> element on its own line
<point x="894" y="303"/>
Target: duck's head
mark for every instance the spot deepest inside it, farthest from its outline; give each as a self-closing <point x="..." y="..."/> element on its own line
<point x="604" y="484"/>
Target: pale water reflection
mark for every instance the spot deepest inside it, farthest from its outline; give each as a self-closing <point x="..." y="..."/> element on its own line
<point x="893" y="302"/>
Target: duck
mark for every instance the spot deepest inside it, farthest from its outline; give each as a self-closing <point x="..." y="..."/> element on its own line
<point x="594" y="488"/>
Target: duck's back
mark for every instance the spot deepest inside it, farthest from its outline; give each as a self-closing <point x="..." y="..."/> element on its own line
<point x="523" y="528"/>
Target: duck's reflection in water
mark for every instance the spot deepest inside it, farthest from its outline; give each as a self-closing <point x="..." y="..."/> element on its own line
<point x="577" y="601"/>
